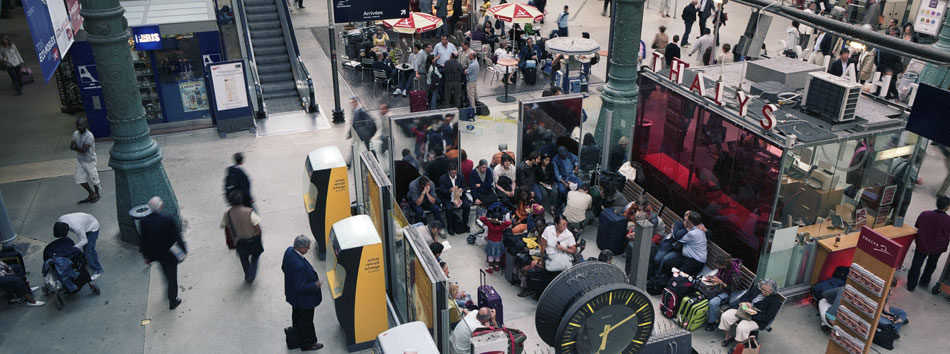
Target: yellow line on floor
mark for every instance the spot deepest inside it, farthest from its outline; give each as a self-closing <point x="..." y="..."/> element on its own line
<point x="44" y="169"/>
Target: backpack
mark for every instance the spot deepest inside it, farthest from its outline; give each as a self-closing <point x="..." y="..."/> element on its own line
<point x="674" y="292"/>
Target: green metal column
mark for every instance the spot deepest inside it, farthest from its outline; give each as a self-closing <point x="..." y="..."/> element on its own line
<point x="938" y="75"/>
<point x="135" y="157"/>
<point x="620" y="93"/>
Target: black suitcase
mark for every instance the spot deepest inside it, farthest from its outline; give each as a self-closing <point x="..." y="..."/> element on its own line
<point x="538" y="279"/>
<point x="511" y="270"/>
<point x="291" y="336"/>
<point x="611" y="231"/>
<point x="530" y="75"/>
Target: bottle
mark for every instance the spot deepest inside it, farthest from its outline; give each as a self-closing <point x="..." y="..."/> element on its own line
<point x="837" y="240"/>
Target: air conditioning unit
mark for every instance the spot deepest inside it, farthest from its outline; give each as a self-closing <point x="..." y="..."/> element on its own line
<point x="831" y="97"/>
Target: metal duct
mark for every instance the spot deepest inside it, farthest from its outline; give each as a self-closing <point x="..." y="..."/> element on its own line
<point x="847" y="31"/>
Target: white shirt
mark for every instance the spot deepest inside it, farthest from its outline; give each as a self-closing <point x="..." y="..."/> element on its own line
<point x="462" y="334"/>
<point x="565" y="238"/>
<point x="443" y="52"/>
<point x="82" y="140"/>
<point x="80" y="224"/>
<point x="817" y="48"/>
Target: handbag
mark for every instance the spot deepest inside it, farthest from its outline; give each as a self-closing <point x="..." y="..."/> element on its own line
<point x="750" y="346"/>
<point x="228" y="238"/>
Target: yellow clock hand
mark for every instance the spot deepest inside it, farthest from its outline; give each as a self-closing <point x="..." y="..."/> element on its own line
<point x="624" y="320"/>
<point x="603" y="338"/>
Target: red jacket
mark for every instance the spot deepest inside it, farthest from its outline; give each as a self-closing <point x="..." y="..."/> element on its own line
<point x="933" y="232"/>
<point x="495" y="231"/>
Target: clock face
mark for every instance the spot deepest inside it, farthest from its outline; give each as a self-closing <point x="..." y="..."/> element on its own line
<point x="614" y="318"/>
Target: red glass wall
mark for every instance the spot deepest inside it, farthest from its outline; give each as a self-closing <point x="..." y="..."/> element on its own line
<point x="696" y="159"/>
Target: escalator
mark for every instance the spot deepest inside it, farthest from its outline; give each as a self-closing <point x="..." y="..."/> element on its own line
<point x="281" y="82"/>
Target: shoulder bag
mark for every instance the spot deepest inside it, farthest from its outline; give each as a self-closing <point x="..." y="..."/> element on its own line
<point x="228" y="237"/>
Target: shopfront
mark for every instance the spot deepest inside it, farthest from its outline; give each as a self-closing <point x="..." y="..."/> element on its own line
<point x="171" y="42"/>
<point x="774" y="197"/>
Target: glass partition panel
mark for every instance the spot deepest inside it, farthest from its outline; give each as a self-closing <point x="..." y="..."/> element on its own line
<point x="423" y="144"/>
<point x="399" y="288"/>
<point x="552" y="122"/>
<point x="373" y="135"/>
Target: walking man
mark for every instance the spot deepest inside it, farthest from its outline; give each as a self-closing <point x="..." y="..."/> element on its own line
<point x="302" y="292"/>
<point x="705" y="11"/>
<point x="244" y="225"/>
<point x="84" y="144"/>
<point x="86" y="228"/>
<point x="933" y="235"/>
<point x="161" y="241"/>
<point x="471" y="75"/>
<point x="561" y="24"/>
<point x="237" y="179"/>
<point x="689" y="17"/>
<point x="453" y="81"/>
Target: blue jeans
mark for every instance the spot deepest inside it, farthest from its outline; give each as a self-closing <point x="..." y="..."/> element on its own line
<point x="433" y="104"/>
<point x="538" y="197"/>
<point x="658" y="261"/>
<point x="89" y="250"/>
<point x="405" y="79"/>
<point x="432" y="207"/>
<point x="714" y="303"/>
<point x="901" y="314"/>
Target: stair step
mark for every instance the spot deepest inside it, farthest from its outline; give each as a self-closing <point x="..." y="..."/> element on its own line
<point x="267" y="78"/>
<point x="266" y="33"/>
<point x="273" y="68"/>
<point x="259" y="2"/>
<point x="266" y="41"/>
<point x="280" y="94"/>
<point x="279" y="86"/>
<point x="260" y="8"/>
<point x="272" y="59"/>
<point x="263" y="25"/>
<point x="269" y="49"/>
<point x="263" y="17"/>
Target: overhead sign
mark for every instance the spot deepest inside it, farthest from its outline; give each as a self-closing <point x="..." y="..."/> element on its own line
<point x="147" y="37"/>
<point x="880" y="247"/>
<point x="51" y="31"/>
<point x="369" y="10"/>
<point x="929" y="16"/>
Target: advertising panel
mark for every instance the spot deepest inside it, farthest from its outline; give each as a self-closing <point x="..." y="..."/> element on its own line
<point x="230" y="90"/>
<point x="51" y="32"/>
<point x="929" y="15"/>
<point x="369" y="10"/>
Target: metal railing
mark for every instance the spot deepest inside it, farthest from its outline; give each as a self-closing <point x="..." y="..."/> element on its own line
<point x="258" y="102"/>
<point x="302" y="77"/>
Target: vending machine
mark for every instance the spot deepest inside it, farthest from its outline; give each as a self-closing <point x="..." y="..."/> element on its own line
<point x="326" y="193"/>
<point x="357" y="281"/>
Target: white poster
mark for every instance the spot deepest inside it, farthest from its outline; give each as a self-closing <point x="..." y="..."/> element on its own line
<point x="59" y="18"/>
<point x="230" y="90"/>
<point x="929" y="16"/>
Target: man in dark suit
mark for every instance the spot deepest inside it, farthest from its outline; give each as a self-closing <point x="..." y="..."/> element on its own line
<point x="448" y="184"/>
<point x="839" y="66"/>
<point x="672" y="51"/>
<point x="237" y="179"/>
<point x="705" y="11"/>
<point x="689" y="17"/>
<point x="159" y="235"/>
<point x="824" y="43"/>
<point x="302" y="291"/>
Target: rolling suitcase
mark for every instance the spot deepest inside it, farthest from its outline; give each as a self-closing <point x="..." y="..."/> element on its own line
<point x="488" y="297"/>
<point x="511" y="270"/>
<point x="417" y="101"/>
<point x="612" y="231"/>
<point x="530" y="75"/>
<point x="692" y="312"/>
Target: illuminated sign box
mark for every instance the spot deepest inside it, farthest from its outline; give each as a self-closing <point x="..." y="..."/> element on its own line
<point x="147" y="37"/>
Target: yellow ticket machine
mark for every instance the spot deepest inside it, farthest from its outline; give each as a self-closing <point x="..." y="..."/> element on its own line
<point x="326" y="193"/>
<point x="357" y="281"/>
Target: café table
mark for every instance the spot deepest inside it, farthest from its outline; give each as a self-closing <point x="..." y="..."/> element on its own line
<point x="507" y="63"/>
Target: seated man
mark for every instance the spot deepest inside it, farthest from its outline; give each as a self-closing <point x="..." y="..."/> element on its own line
<point x="481" y="182"/>
<point x="565" y="169"/>
<point x="693" y="255"/>
<point x="525" y="175"/>
<point x="529" y="51"/>
<point x="379" y="64"/>
<point x="422" y="196"/>
<point x="435" y="229"/>
<point x="13" y="281"/>
<point x="761" y="303"/>
<point x="828" y="306"/>
<point x="893" y="315"/>
<point x="452" y="192"/>
<point x="462" y="334"/>
<point x="578" y="210"/>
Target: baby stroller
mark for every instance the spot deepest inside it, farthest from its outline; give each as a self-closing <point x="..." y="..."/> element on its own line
<point x="64" y="270"/>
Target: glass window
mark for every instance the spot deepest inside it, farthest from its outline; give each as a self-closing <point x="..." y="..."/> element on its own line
<point x="179" y="59"/>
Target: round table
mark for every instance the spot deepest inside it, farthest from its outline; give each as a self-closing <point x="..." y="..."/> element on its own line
<point x="404" y="67"/>
<point x="507" y="63"/>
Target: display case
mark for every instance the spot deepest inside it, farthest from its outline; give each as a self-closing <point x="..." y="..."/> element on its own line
<point x="769" y="196"/>
<point x="145" y="81"/>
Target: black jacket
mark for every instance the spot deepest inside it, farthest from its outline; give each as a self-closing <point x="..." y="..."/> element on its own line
<point x="525" y="175"/>
<point x="436" y="168"/>
<point x="237" y="179"/>
<point x="444" y="191"/>
<point x="835" y="68"/>
<point x="672" y="51"/>
<point x="825" y="45"/>
<point x="689" y="13"/>
<point x="768" y="307"/>
<point x="159" y="233"/>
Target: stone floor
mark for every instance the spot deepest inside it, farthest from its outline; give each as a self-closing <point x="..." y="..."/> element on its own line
<point x="222" y="314"/>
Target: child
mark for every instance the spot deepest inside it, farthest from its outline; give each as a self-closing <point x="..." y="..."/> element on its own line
<point x="494" y="246"/>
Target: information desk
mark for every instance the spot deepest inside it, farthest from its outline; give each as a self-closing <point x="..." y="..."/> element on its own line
<point x="830" y="257"/>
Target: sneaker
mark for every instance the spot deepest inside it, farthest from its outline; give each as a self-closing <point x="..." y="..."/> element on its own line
<point x="404" y="93"/>
<point x="34" y="289"/>
<point x="95" y="275"/>
<point x="37" y="303"/>
<point x="397" y="92"/>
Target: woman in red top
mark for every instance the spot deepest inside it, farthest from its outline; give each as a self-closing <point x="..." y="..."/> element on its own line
<point x="494" y="246"/>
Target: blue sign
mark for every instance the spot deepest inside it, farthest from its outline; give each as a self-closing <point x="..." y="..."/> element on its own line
<point x="147" y="37"/>
<point x="44" y="36"/>
<point x="369" y="10"/>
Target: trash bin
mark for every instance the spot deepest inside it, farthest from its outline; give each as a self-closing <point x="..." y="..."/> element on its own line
<point x="137" y="213"/>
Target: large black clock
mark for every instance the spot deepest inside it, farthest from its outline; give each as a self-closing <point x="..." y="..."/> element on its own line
<point x="610" y="319"/>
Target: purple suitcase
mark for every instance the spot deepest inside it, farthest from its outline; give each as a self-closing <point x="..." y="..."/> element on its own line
<point x="488" y="297"/>
<point x="417" y="101"/>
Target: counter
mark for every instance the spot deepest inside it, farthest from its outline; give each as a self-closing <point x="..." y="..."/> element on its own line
<point x="830" y="257"/>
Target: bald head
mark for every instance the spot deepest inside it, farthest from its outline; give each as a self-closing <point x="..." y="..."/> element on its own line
<point x="484" y="316"/>
<point x="155" y="204"/>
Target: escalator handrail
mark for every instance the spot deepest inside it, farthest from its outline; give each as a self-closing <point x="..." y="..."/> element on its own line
<point x="250" y="52"/>
<point x="303" y="67"/>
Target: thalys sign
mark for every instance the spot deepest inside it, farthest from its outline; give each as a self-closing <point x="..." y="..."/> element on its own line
<point x="678" y="67"/>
